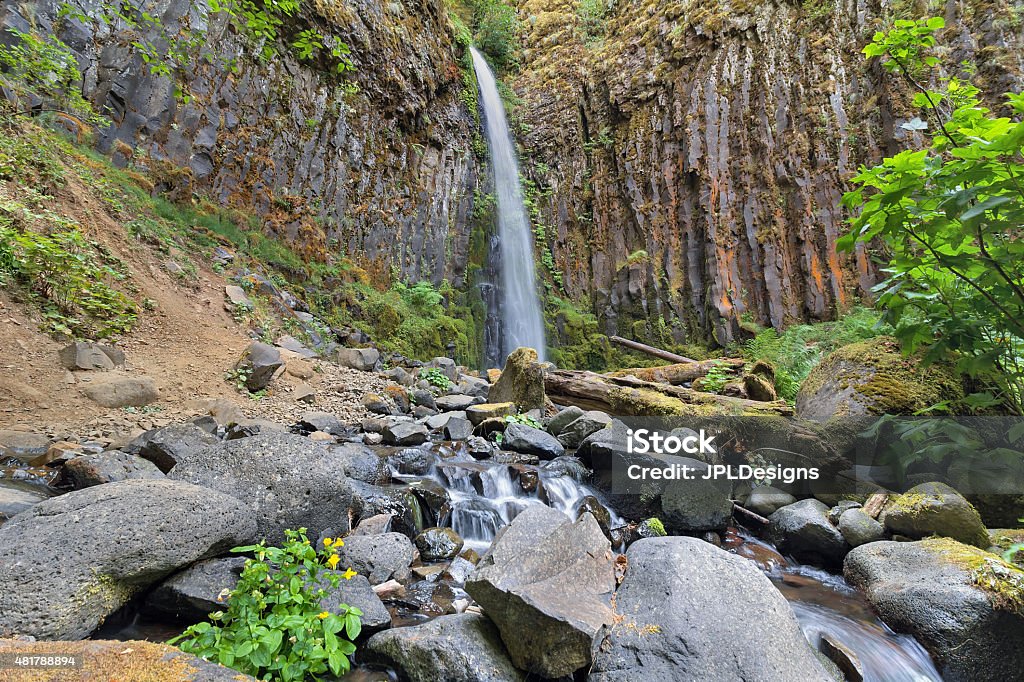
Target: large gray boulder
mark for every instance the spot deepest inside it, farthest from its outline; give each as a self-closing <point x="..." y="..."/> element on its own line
<point x="932" y="590"/>
<point x="378" y="557"/>
<point x="164" y="447"/>
<point x="86" y="356"/>
<point x="462" y="648"/>
<point x="119" y="390"/>
<point x="85" y="471"/>
<point x="687" y="610"/>
<point x="361" y="463"/>
<point x="803" y="530"/>
<point x="198" y="590"/>
<point x="362" y="359"/>
<point x="934" y="509"/>
<point x="858" y="528"/>
<point x="523" y="438"/>
<point x="262" y="362"/>
<point x="696" y="505"/>
<point x="69" y="562"/>
<point x="286" y="481"/>
<point x="586" y="424"/>
<point x="546" y="582"/>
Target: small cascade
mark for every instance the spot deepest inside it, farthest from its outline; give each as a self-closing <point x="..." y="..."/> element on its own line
<point x="521" y="321"/>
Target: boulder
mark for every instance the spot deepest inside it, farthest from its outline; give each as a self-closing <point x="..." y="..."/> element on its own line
<point x="586" y="424"/>
<point x="373" y="525"/>
<point x="362" y="464"/>
<point x="378" y="557"/>
<point x="874" y="377"/>
<point x="14" y="500"/>
<point x="400" y="376"/>
<point x="859" y="529"/>
<point x="963" y="604"/>
<point x="122" y="391"/>
<point x="399" y="503"/>
<point x="765" y="500"/>
<point x="322" y="421"/>
<point x="547" y="582"/>
<point x="405" y="433"/>
<point x="934" y="509"/>
<point x="363" y="359"/>
<point x="423" y="398"/>
<point x="198" y="590"/>
<point x="261" y="361"/>
<point x="459" y="648"/>
<point x="521" y="382"/>
<point x="694" y="506"/>
<point x="474" y="386"/>
<point x="803" y="530"/>
<point x="165" y="447"/>
<point x="378" y="404"/>
<point x="112" y="541"/>
<point x="458" y="429"/>
<point x="563" y="419"/>
<point x="454" y="402"/>
<point x="477" y="414"/>
<point x="523" y="438"/>
<point x="446" y="365"/>
<point x="438" y="544"/>
<point x="285" y="481"/>
<point x="690" y="611"/>
<point x="86" y="356"/>
<point x="413" y="461"/>
<point x="24" y="445"/>
<point x="118" y="660"/>
<point x="237" y="298"/>
<point x="357" y="592"/>
<point x="108" y="467"/>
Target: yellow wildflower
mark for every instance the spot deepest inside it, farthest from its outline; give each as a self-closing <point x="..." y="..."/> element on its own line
<point x="327" y="542"/>
<point x="322" y="615"/>
<point x="333" y="561"/>
<point x="338" y="542"/>
<point x="349" y="574"/>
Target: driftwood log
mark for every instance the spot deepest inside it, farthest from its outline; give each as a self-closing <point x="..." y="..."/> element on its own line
<point x="680" y="372"/>
<point x="650" y="350"/>
<point x="630" y="396"/>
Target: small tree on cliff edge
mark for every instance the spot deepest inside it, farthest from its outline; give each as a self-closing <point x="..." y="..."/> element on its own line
<point x="949" y="218"/>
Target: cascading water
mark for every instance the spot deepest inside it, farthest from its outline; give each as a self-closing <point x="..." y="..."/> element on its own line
<point x="522" y="323"/>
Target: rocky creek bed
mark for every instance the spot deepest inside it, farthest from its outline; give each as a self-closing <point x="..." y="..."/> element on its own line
<point x="490" y="546"/>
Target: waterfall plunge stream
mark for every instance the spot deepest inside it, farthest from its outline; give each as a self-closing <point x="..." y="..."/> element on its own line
<point x="520" y="314"/>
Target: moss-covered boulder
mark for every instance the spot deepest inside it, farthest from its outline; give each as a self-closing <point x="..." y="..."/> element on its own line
<point x="965" y="605"/>
<point x="521" y="382"/>
<point x="1002" y="539"/>
<point x="874" y="377"/>
<point x="934" y="509"/>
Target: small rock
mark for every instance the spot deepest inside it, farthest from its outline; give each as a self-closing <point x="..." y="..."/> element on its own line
<point x="322" y="421"/>
<point x="803" y="530"/>
<point x="237" y="298"/>
<point x="563" y="419"/>
<point x="108" y="467"/>
<point x="122" y="391"/>
<point x="934" y="509"/>
<point x="766" y="500"/>
<point x="449" y="403"/>
<point x="362" y="359"/>
<point x="167" y="446"/>
<point x="198" y="590"/>
<point x="262" y="361"/>
<point x="586" y="424"/>
<point x="523" y="438"/>
<point x="478" y="413"/>
<point x="304" y="393"/>
<point x="378" y="404"/>
<point x="859" y="529"/>
<point x="458" y="429"/>
<point x="378" y="557"/>
<point x="90" y="356"/>
<point x="438" y="544"/>
<point x="405" y="433"/>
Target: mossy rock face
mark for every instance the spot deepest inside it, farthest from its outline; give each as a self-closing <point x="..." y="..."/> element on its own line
<point x="934" y="509"/>
<point x="1002" y="539"/>
<point x="874" y="377"/>
<point x="521" y="382"/>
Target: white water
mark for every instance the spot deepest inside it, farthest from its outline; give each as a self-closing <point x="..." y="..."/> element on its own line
<point x="522" y="324"/>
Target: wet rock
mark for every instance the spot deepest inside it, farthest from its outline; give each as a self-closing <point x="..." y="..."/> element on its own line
<point x="934" y="509"/>
<point x="521" y="382"/>
<point x="454" y="402"/>
<point x="23" y="444"/>
<point x="477" y="414"/>
<point x="563" y="419"/>
<point x="405" y="433"/>
<point x="765" y="500"/>
<point x="457" y="648"/>
<point x="414" y="461"/>
<point x="680" y="600"/>
<point x="523" y="438"/>
<point x="108" y="467"/>
<point x="458" y="429"/>
<point x="358" y="592"/>
<point x="843" y="657"/>
<point x="399" y="503"/>
<point x="930" y="589"/>
<point x="262" y="362"/>
<point x="479" y="448"/>
<point x="859" y="529"/>
<point x="362" y="359"/>
<point x="167" y="446"/>
<point x="122" y="391"/>
<point x="285" y="481"/>
<point x="378" y="557"/>
<point x="373" y="525"/>
<point x="16" y="500"/>
<point x="874" y="377"/>
<point x="585" y="425"/>
<point x="438" y="544"/>
<point x="696" y="505"/>
<point x="362" y="464"/>
<point x="803" y="530"/>
<point x="198" y="590"/>
<point x="591" y="505"/>
<point x="546" y="582"/>
<point x="113" y="541"/>
<point x="85" y="356"/>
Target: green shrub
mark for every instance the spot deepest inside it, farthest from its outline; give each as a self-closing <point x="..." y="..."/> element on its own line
<point x="274" y="627"/>
<point x="497" y="32"/>
<point x="592" y="15"/>
<point x="523" y="419"/>
<point x="796" y="351"/>
<point x="436" y="377"/>
<point x="716" y="378"/>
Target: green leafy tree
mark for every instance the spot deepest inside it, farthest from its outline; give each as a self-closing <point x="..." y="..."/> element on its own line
<point x="947" y="220"/>
<point x="274" y="626"/>
<point x="497" y="32"/>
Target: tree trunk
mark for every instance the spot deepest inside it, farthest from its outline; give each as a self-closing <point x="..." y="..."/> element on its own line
<point x="650" y="350"/>
<point x="679" y="373"/>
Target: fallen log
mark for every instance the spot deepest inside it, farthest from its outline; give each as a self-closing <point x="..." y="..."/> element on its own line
<point x="650" y="350"/>
<point x="680" y="372"/>
<point x="630" y="396"/>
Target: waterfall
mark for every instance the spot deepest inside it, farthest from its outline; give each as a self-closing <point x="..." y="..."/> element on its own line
<point x="521" y="320"/>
